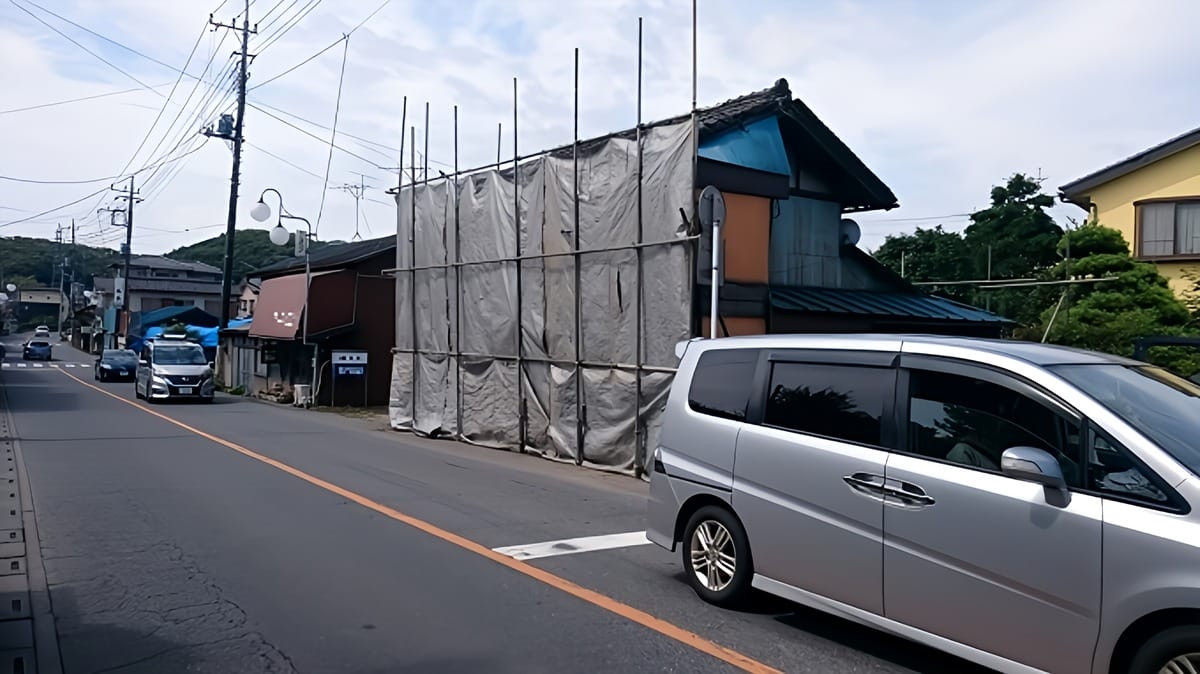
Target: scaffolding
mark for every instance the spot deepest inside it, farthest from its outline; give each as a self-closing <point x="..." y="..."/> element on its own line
<point x="539" y="300"/>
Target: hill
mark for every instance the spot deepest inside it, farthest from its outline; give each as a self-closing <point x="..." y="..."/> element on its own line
<point x="251" y="249"/>
<point x="26" y="261"/>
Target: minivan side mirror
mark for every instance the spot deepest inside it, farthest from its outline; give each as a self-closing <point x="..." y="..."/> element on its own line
<point x="211" y="365"/>
<point x="1037" y="465"/>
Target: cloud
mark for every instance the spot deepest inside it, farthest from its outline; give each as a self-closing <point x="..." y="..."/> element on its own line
<point x="941" y="99"/>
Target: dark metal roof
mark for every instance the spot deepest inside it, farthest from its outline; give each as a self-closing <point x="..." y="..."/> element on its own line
<point x="171" y="285"/>
<point x="332" y="256"/>
<point x="876" y="303"/>
<point x="1073" y="191"/>
<point x="160" y="262"/>
<point x="182" y="314"/>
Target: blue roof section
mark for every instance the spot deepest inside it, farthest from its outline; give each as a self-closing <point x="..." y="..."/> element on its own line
<point x="194" y="315"/>
<point x="756" y="145"/>
<point x="875" y="303"/>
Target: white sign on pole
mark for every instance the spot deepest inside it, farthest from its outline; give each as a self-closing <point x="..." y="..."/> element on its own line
<point x="119" y="292"/>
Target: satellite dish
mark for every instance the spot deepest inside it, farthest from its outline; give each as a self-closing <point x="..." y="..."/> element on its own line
<point x="850" y="233"/>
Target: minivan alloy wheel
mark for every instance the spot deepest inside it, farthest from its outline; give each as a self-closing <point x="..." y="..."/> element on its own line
<point x="1183" y="664"/>
<point x="714" y="556"/>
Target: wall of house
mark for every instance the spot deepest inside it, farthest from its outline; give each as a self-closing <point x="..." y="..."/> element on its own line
<point x="746" y="238"/>
<point x="735" y="326"/>
<point x="1174" y="176"/>
<point x="374" y="332"/>
<point x="804" y="243"/>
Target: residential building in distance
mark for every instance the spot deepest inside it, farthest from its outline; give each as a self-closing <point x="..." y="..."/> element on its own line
<point x="1153" y="198"/>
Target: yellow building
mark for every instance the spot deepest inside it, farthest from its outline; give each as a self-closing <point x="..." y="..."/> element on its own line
<point x="1153" y="198"/>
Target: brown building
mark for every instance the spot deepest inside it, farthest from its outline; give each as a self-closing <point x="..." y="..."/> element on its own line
<point x="350" y="309"/>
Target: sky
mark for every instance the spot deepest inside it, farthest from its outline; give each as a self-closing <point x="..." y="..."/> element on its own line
<point x="941" y="99"/>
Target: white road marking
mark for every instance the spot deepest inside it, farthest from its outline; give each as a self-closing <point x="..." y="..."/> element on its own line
<point x="39" y="365"/>
<point x="5" y="364"/>
<point x="22" y="364"/>
<point x="571" y="546"/>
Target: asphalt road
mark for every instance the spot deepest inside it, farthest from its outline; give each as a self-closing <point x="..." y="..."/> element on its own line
<point x="259" y="538"/>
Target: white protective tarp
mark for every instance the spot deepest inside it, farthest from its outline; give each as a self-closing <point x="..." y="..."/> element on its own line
<point x="429" y="389"/>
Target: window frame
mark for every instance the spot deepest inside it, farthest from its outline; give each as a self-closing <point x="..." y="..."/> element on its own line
<point x="1174" y="504"/>
<point x="880" y="360"/>
<point x="1138" y="228"/>
<point x="988" y="374"/>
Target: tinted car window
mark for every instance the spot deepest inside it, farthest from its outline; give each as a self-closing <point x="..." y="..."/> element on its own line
<point x="836" y="401"/>
<point x="1111" y="470"/>
<point x="1163" y="406"/>
<point x="39" y="345"/>
<point x="722" y="382"/>
<point x="970" y="421"/>
<point x="179" y="355"/>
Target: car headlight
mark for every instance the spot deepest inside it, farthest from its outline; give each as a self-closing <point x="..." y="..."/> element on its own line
<point x="105" y="366"/>
<point x="158" y="380"/>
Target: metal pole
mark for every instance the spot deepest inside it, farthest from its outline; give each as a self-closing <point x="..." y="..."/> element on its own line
<point x="227" y="276"/>
<point x="715" y="284"/>
<point x="457" y="291"/>
<point x="639" y="443"/>
<point x="522" y="419"/>
<point x="499" y="131"/>
<point x="307" y="287"/>
<point x="412" y="290"/>
<point x="425" y="162"/>
<point x="399" y="189"/>
<point x="580" y="408"/>
<point x="694" y="261"/>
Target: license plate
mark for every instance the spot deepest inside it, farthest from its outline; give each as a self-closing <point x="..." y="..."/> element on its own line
<point x="187" y="390"/>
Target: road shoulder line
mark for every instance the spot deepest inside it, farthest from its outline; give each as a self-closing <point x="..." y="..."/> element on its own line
<point x="602" y="601"/>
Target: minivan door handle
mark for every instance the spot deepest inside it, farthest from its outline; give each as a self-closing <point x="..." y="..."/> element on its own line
<point x="866" y="483"/>
<point x="907" y="493"/>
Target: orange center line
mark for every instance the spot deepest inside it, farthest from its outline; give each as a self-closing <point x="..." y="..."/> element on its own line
<point x="663" y="627"/>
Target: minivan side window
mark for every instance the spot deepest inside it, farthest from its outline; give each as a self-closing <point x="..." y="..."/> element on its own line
<point x="971" y="422"/>
<point x="1113" y="472"/>
<point x="722" y="383"/>
<point x="836" y="401"/>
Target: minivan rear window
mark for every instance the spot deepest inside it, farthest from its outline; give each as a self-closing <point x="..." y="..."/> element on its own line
<point x="722" y="383"/>
<point x="836" y="401"/>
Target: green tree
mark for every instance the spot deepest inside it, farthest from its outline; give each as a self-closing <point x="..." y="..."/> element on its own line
<point x="1013" y="238"/>
<point x="39" y="259"/>
<point x="1110" y="315"/>
<point x="930" y="255"/>
<point x="252" y="249"/>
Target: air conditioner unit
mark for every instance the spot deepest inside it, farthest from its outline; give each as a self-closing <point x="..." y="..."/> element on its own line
<point x="303" y="395"/>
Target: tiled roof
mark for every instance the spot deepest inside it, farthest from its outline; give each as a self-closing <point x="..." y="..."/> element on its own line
<point x="737" y="110"/>
<point x="160" y="262"/>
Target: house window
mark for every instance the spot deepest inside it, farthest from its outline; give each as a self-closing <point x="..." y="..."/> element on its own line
<point x="1169" y="228"/>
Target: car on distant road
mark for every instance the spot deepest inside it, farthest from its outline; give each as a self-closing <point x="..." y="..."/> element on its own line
<point x="42" y="328"/>
<point x="116" y="364"/>
<point x="1027" y="507"/>
<point x="37" y="349"/>
<point x="41" y="334"/>
<point x="173" y="368"/>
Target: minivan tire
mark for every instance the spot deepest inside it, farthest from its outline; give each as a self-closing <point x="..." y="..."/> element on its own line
<point x="717" y="587"/>
<point x="1160" y="649"/>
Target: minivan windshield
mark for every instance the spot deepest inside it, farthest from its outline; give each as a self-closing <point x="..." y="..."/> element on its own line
<point x="1162" y="406"/>
<point x="179" y="355"/>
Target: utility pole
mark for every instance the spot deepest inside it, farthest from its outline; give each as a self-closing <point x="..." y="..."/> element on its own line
<point x="130" y="196"/>
<point x="227" y="272"/>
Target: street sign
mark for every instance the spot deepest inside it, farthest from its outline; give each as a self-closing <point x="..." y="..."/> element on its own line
<point x="119" y="292"/>
<point x="348" y="365"/>
<point x="712" y="207"/>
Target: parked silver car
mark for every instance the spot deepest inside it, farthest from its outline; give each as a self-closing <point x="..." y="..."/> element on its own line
<point x="1027" y="507"/>
<point x="170" y="368"/>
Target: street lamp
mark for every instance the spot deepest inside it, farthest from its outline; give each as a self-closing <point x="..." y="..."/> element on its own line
<point x="279" y="236"/>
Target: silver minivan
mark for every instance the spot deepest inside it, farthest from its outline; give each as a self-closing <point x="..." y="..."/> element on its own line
<point x="171" y="368"/>
<point x="1027" y="507"/>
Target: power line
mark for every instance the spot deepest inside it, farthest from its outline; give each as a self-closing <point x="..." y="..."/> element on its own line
<point x="88" y="196"/>
<point x="285" y="161"/>
<point x="364" y="142"/>
<point x="337" y="107"/>
<point x="370" y="16"/>
<point x="305" y="61"/>
<point x="270" y="23"/>
<point x="315" y="137"/>
<point x="77" y="44"/>
<point x="303" y="12"/>
<point x="78" y="100"/>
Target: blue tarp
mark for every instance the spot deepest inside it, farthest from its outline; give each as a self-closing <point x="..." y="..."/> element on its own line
<point x="757" y="145"/>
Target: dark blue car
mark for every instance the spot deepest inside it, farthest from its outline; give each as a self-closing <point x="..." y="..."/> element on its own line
<point x="37" y="349"/>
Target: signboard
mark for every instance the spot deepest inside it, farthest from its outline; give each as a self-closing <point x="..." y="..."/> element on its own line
<point x="350" y="365"/>
<point x="269" y="354"/>
<point x="119" y="292"/>
<point x="711" y="213"/>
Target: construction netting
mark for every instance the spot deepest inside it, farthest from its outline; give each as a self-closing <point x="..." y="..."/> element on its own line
<point x="458" y="367"/>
